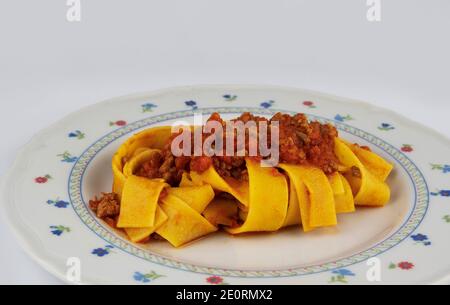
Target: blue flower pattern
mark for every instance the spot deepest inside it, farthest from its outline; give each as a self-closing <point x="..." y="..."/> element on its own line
<point x="148" y="107"/>
<point x="66" y="157"/>
<point x="267" y="104"/>
<point x="77" y="134"/>
<point x="342" y="118"/>
<point x="60" y="204"/>
<point x="341" y="275"/>
<point x="421" y="239"/>
<point x="444" y="168"/>
<point x="386" y="127"/>
<point x="101" y="252"/>
<point x="443" y="193"/>
<point x="192" y="104"/>
<point x="59" y="230"/>
<point x="146" y="278"/>
<point x="229" y="97"/>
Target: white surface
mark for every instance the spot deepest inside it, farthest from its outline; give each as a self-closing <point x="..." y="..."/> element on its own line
<point x="50" y="67"/>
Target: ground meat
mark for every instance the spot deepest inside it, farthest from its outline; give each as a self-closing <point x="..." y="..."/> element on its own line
<point x="293" y="137"/>
<point x="108" y="206"/>
<point x="301" y="142"/>
<point x="150" y="169"/>
<point x="164" y="165"/>
<point x="233" y="167"/>
<point x="320" y="151"/>
<point x="112" y="222"/>
<point x="200" y="164"/>
<point x="228" y="166"/>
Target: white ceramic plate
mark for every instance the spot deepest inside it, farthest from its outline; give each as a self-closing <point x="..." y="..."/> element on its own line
<point x="45" y="199"/>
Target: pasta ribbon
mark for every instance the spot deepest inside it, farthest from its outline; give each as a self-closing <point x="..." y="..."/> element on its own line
<point x="197" y="197"/>
<point x="302" y="195"/>
<point x="375" y="164"/>
<point x="293" y="211"/>
<point x="319" y="210"/>
<point x="367" y="188"/>
<point x="140" y="234"/>
<point x="336" y="183"/>
<point x="154" y="138"/>
<point x="269" y="197"/>
<point x="239" y="189"/>
<point x="184" y="224"/>
<point x="345" y="203"/>
<point x="222" y="211"/>
<point x="140" y="157"/>
<point x="139" y="202"/>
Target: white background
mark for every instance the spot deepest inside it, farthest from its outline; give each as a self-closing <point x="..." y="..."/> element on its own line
<point x="50" y="67"/>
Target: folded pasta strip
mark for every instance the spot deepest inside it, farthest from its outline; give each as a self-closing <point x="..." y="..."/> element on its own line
<point x="268" y="201"/>
<point x="367" y="183"/>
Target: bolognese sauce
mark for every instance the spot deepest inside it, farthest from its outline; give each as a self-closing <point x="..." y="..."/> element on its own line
<point x="300" y="142"/>
<point x="107" y="207"/>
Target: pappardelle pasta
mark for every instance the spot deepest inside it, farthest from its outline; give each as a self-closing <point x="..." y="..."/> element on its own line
<point x="159" y="195"/>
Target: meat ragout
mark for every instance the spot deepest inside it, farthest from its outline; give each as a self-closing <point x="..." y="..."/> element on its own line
<point x="107" y="207"/>
<point x="300" y="142"/>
